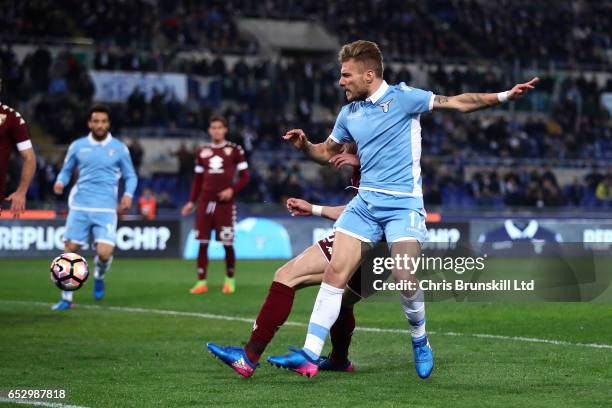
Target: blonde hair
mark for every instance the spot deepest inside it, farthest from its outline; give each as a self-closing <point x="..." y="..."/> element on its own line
<point x="365" y="52"/>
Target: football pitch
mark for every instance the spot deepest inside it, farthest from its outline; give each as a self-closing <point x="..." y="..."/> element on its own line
<point x="144" y="345"/>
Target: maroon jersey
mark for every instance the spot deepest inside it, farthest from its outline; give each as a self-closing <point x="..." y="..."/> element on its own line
<point x="13" y="133"/>
<point x="216" y="167"/>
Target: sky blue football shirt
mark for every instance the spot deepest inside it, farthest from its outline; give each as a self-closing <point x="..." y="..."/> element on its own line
<point x="101" y="165"/>
<point x="386" y="128"/>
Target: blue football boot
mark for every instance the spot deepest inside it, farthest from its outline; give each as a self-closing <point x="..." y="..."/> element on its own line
<point x="423" y="356"/>
<point x="98" y="289"/>
<point x="235" y="357"/>
<point x="63" y="305"/>
<point x="297" y="361"/>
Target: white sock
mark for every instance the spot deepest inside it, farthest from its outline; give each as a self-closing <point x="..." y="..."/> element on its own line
<point x="414" y="308"/>
<point x="101" y="267"/>
<point x="324" y="314"/>
<point x="67" y="295"/>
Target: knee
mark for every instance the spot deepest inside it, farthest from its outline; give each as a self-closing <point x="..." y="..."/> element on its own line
<point x="283" y="274"/>
<point x="70" y="246"/>
<point x="104" y="253"/>
<point x="336" y="275"/>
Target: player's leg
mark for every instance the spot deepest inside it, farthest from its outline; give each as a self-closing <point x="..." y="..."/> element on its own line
<point x="304" y="270"/>
<point x="76" y="235"/>
<point x="104" y="231"/>
<point x="355" y="228"/>
<point x="345" y="260"/>
<point x="360" y="286"/>
<point x="406" y="232"/>
<point x="203" y="228"/>
<point x="341" y="333"/>
<point x="224" y="222"/>
<point x="102" y="264"/>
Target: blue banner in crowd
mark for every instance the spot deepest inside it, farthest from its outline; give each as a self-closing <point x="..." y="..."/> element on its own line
<point x="116" y="86"/>
<point x="254" y="238"/>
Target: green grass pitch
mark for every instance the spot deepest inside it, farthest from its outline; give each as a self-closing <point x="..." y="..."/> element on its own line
<point x="123" y="352"/>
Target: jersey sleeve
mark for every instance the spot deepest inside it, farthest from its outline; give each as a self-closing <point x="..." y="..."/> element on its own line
<point x="70" y="162"/>
<point x="19" y="132"/>
<point x="415" y="100"/>
<point x="128" y="172"/>
<point x="241" y="162"/>
<point x="199" y="166"/>
<point x="196" y="184"/>
<point x="340" y="133"/>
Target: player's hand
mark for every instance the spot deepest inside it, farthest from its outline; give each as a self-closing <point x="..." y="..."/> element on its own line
<point x="125" y="204"/>
<point x="521" y="89"/>
<point x="58" y="188"/>
<point x="226" y="195"/>
<point x="297" y="207"/>
<point x="344" y="159"/>
<point x="17" y="200"/>
<point x="297" y="137"/>
<point x="187" y="208"/>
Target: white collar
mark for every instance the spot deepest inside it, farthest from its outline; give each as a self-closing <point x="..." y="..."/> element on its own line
<point x="379" y="92"/>
<point x="103" y="142"/>
<point x="216" y="146"/>
<point x="515" y="233"/>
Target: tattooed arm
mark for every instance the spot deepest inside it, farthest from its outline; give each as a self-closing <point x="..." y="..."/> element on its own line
<point x="469" y="102"/>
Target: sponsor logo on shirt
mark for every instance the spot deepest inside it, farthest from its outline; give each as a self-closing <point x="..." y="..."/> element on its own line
<point x="215" y="164"/>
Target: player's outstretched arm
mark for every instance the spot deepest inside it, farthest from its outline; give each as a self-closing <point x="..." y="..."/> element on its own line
<point x="301" y="208"/>
<point x="18" y="198"/>
<point x="318" y="152"/>
<point x="469" y="102"/>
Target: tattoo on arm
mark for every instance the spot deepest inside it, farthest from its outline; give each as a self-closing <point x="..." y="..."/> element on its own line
<point x="478" y="100"/>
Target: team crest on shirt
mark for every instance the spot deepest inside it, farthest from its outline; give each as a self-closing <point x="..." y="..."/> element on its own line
<point x="385" y="105"/>
<point x="2" y="119"/>
<point x="205" y="153"/>
<point x="227" y="151"/>
<point x="111" y="152"/>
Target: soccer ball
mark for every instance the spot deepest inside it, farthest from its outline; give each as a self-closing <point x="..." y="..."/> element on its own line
<point x="69" y="271"/>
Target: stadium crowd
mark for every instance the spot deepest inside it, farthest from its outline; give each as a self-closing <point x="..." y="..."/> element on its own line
<point x="58" y="89"/>
<point x="507" y="30"/>
<point x="128" y="28"/>
<point x="263" y="97"/>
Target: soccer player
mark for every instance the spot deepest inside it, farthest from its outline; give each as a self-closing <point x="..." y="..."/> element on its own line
<point x="14" y="133"/>
<point x="213" y="190"/>
<point x="302" y="271"/>
<point x="100" y="159"/>
<point x="384" y="122"/>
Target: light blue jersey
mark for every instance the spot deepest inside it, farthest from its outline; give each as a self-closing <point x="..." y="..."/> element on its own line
<point x="100" y="165"/>
<point x="387" y="131"/>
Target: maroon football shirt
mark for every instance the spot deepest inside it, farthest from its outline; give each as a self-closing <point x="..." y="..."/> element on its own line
<point x="218" y="165"/>
<point x="13" y="133"/>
